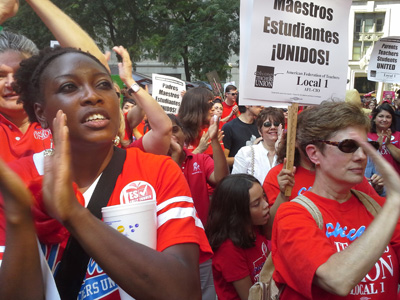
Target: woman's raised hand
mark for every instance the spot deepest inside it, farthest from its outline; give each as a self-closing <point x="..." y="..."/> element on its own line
<point x="17" y="198"/>
<point x="124" y="67"/>
<point x="8" y="9"/>
<point x="389" y="174"/>
<point x="58" y="194"/>
<point x="213" y="128"/>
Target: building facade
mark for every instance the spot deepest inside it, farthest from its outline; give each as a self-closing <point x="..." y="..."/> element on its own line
<point x="368" y="22"/>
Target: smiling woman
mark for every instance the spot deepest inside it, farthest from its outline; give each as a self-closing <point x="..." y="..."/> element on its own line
<point x="19" y="137"/>
<point x="258" y="159"/>
<point x="383" y="130"/>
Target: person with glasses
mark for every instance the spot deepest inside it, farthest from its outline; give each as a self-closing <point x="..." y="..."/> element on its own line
<point x="258" y="159"/>
<point x="231" y="109"/>
<point x="355" y="253"/>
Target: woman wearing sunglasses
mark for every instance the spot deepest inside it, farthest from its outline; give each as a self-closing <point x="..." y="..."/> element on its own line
<point x="338" y="261"/>
<point x="383" y="130"/>
<point x="258" y="159"/>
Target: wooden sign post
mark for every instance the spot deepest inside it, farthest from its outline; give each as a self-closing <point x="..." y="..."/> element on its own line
<point x="291" y="140"/>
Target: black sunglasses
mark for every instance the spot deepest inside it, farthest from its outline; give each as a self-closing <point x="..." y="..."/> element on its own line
<point x="348" y="145"/>
<point x="269" y="124"/>
<point x="234" y="94"/>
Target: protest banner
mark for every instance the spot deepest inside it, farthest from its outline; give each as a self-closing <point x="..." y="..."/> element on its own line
<point x="167" y="91"/>
<point x="293" y="51"/>
<point x="384" y="64"/>
<point x="389" y="96"/>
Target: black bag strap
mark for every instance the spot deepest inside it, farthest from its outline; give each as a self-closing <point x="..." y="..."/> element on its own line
<point x="72" y="268"/>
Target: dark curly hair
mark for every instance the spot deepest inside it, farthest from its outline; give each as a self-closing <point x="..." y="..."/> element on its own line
<point x="28" y="76"/>
<point x="386" y="107"/>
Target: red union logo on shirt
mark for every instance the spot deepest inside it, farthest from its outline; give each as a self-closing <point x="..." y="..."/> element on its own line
<point x="42" y="134"/>
<point x="137" y="191"/>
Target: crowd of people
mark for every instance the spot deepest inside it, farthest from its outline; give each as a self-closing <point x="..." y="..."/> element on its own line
<point x="217" y="171"/>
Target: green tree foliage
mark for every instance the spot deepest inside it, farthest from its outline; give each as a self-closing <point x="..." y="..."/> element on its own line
<point x="201" y="34"/>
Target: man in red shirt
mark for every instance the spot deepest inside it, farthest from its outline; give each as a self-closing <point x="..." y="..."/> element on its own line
<point x="231" y="110"/>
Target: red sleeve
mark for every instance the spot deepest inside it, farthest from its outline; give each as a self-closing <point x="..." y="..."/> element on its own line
<point x="137" y="144"/>
<point x="208" y="165"/>
<point x="306" y="247"/>
<point x="271" y="186"/>
<point x="48" y="229"/>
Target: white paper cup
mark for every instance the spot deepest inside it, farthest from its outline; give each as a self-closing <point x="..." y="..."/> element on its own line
<point x="137" y="221"/>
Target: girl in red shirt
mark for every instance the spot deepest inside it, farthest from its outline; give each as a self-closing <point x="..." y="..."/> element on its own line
<point x="238" y="214"/>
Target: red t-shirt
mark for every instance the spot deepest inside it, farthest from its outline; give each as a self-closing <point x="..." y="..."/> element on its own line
<point x="140" y="127"/>
<point x="197" y="169"/>
<point x="231" y="263"/>
<point x="144" y="176"/>
<point x="304" y="179"/>
<point x="227" y="111"/>
<point x="299" y="247"/>
<point x="384" y="151"/>
<point x="15" y="144"/>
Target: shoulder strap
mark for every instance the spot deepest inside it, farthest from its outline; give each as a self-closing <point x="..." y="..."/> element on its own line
<point x="269" y="268"/>
<point x="72" y="268"/>
<point x="252" y="159"/>
<point x="312" y="209"/>
<point x="370" y="204"/>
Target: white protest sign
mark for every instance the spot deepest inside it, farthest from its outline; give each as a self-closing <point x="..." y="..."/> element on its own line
<point x="293" y="51"/>
<point x="54" y="43"/>
<point x="384" y="64"/>
<point x="167" y="92"/>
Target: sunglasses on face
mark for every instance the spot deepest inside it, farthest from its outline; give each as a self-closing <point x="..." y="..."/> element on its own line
<point x="234" y="94"/>
<point x="348" y="145"/>
<point x="269" y="124"/>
